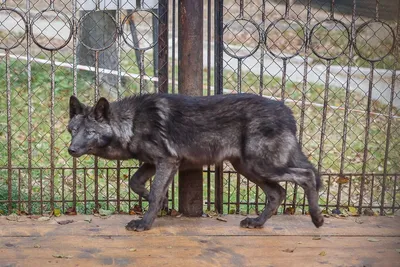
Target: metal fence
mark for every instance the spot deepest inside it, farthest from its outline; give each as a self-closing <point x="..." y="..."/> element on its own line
<point x="334" y="64"/>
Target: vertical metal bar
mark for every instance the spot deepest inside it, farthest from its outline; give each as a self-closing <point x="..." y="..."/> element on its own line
<point x="256" y="202"/>
<point x="129" y="190"/>
<point x="141" y="71"/>
<point x="371" y="199"/>
<point x="162" y="62"/>
<point x="41" y="190"/>
<point x="52" y="121"/>
<point x="96" y="160"/>
<point x="328" y="191"/>
<point x="394" y="193"/>
<point x="367" y="127"/>
<point x="19" y="189"/>
<point x="107" y="190"/>
<point x="390" y="113"/>
<point x="158" y="54"/>
<point x="29" y="86"/>
<point x="218" y="86"/>
<point x="241" y="9"/>
<point x="239" y="76"/>
<point x="262" y="28"/>
<point x="349" y="194"/>
<point x="173" y="45"/>
<point x="119" y="45"/>
<point x="173" y="193"/>
<point x="208" y="188"/>
<point x="208" y="48"/>
<point x="84" y="189"/>
<point x="377" y="10"/>
<point x="63" y="189"/>
<point x="9" y="139"/>
<point x="229" y="192"/>
<point x="248" y="196"/>
<point x="287" y="7"/>
<point x="324" y="113"/>
<point x="303" y="94"/>
<point x="75" y="75"/>
<point x="347" y="97"/>
<point x="284" y="80"/>
<point x="238" y="193"/>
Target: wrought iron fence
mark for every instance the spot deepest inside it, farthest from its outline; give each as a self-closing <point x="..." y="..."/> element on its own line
<point x="334" y="64"/>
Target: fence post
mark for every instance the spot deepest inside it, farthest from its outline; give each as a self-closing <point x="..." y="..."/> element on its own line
<point x="190" y="80"/>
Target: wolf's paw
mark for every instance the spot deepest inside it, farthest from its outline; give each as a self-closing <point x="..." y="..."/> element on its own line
<point x="251" y="223"/>
<point x="137" y="225"/>
<point x="318" y="220"/>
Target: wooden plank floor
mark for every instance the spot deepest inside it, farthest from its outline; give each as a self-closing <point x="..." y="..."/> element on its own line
<point x="284" y="241"/>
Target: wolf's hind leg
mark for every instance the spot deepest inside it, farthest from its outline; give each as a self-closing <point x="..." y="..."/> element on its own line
<point x="275" y="194"/>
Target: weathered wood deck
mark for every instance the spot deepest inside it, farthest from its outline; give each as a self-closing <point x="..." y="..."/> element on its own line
<point x="284" y="241"/>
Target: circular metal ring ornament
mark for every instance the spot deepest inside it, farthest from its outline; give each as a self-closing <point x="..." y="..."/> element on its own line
<point x="273" y="24"/>
<point x="125" y="39"/>
<point x="362" y="26"/>
<point x="113" y="39"/>
<point x="67" y="20"/>
<point x="250" y="53"/>
<point x="336" y="23"/>
<point x="18" y="42"/>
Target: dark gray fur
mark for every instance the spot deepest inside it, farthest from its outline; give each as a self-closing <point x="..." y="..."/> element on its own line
<point x="171" y="132"/>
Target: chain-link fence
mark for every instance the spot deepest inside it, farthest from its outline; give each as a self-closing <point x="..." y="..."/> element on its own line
<point x="333" y="62"/>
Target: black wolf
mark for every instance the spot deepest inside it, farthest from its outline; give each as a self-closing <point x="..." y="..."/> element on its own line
<point x="171" y="132"/>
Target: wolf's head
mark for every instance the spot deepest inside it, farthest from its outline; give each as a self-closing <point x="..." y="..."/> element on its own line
<point x="89" y="127"/>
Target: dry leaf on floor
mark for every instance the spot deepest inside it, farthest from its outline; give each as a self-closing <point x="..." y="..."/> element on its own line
<point x="104" y="212"/>
<point x="398" y="250"/>
<point x="59" y="256"/>
<point x="12" y="217"/>
<point x="221" y="219"/>
<point x="342" y="180"/>
<point x="132" y="249"/>
<point x="323" y="253"/>
<point x="371" y="239"/>
<point x="71" y="211"/>
<point x="353" y="211"/>
<point x="89" y="220"/>
<point x="289" y="250"/>
<point x="36" y="246"/>
<point x="43" y="219"/>
<point x="174" y="213"/>
<point x="359" y="221"/>
<point x="65" y="222"/>
<point x="316" y="238"/>
<point x="57" y="212"/>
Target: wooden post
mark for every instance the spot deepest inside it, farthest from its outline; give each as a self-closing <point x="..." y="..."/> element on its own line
<point x="190" y="80"/>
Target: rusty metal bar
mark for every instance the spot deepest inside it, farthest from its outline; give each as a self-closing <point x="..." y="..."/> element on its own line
<point x="107" y="191"/>
<point x="303" y="94"/>
<point x="283" y="90"/>
<point x="394" y="194"/>
<point x="75" y="79"/>
<point x="239" y="76"/>
<point x="190" y="79"/>
<point x="366" y="137"/>
<point x="52" y="139"/>
<point x="390" y="112"/>
<point x="41" y="191"/>
<point x="96" y="159"/>
<point x="19" y="190"/>
<point x="141" y="71"/>
<point x="29" y="87"/>
<point x="237" y="193"/>
<point x="63" y="189"/>
<point x="84" y="189"/>
<point x="173" y="46"/>
<point x="229" y="193"/>
<point x="162" y="46"/>
<point x="9" y="133"/>
<point x="218" y="85"/>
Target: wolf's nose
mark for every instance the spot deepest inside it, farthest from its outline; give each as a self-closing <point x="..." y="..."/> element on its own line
<point x="71" y="150"/>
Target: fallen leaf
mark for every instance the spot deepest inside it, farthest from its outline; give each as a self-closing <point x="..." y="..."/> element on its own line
<point x="57" y="212"/>
<point x="398" y="250"/>
<point x="104" y="212"/>
<point x="179" y="215"/>
<point x="36" y="246"/>
<point x="221" y="219"/>
<point x="59" y="256"/>
<point x="89" y="220"/>
<point x="290" y="211"/>
<point x="326" y="215"/>
<point x="371" y="239"/>
<point x="174" y="213"/>
<point x="322" y="253"/>
<point x="299" y="243"/>
<point x="43" y="219"/>
<point x="211" y="213"/>
<point x="169" y="247"/>
<point x="289" y="250"/>
<point x="132" y="249"/>
<point x="316" y="238"/>
<point x="162" y="213"/>
<point x="369" y="212"/>
<point x="137" y="209"/>
<point x="132" y="212"/>
<point x="70" y="211"/>
<point x="232" y="211"/>
<point x="12" y="217"/>
<point x="65" y="222"/>
<point x="353" y="211"/>
<point x="342" y="180"/>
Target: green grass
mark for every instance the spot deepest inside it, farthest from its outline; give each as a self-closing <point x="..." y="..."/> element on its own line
<point x="63" y="179"/>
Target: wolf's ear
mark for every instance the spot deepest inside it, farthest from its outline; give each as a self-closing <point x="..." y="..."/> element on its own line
<point x="75" y="107"/>
<point x="102" y="109"/>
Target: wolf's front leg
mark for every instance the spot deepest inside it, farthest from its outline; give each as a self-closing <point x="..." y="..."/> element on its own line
<point x="165" y="171"/>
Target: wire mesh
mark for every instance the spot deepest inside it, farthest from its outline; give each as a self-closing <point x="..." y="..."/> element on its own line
<point x="333" y="62"/>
